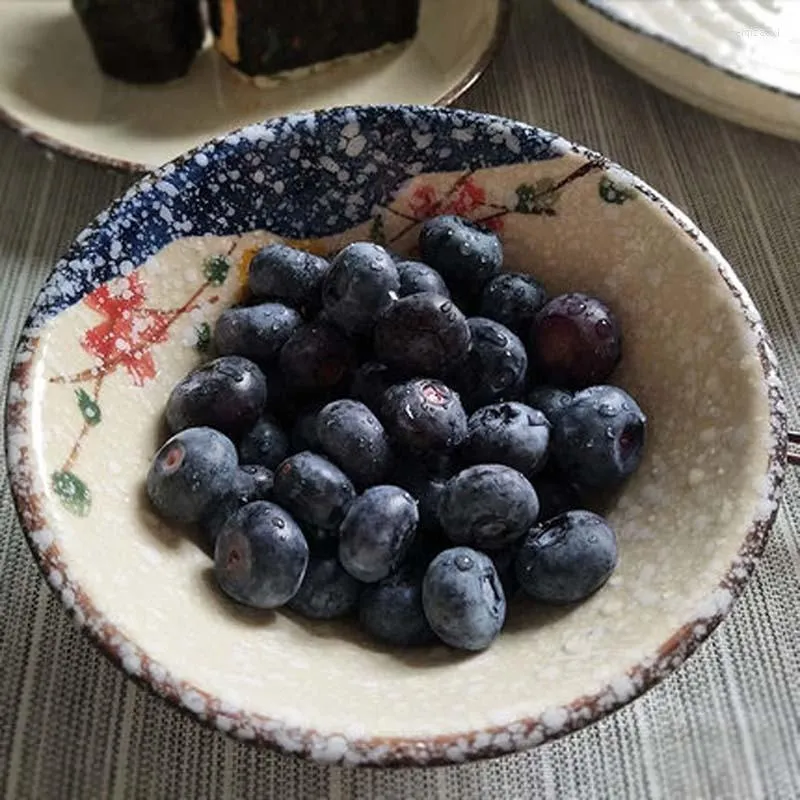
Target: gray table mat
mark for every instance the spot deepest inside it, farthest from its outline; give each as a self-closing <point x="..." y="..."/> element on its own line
<point x="726" y="725"/>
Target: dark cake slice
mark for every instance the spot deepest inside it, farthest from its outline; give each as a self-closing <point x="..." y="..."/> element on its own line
<point x="264" y="37"/>
<point x="143" y="41"/>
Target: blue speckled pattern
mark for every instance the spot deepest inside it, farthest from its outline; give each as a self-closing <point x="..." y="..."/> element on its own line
<point x="302" y="176"/>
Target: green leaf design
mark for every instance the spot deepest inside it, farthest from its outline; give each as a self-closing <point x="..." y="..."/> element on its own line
<point x="377" y="231"/>
<point x="613" y="192"/>
<point x="215" y="269"/>
<point x="73" y="493"/>
<point x="203" y="333"/>
<point x="537" y="198"/>
<point x="90" y="411"/>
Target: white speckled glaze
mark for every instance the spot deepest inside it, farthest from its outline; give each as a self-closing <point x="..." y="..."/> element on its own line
<point x="691" y="523"/>
<point x="736" y="58"/>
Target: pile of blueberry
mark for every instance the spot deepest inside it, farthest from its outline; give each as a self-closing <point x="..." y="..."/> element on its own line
<point x="411" y="442"/>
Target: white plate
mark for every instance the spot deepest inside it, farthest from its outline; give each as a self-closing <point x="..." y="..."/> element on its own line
<point x="52" y="90"/>
<point x="738" y="59"/>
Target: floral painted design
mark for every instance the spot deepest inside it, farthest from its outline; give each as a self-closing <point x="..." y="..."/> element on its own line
<point x="125" y="339"/>
<point x="466" y="197"/>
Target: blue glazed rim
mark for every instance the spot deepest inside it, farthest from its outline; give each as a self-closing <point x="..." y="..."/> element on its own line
<point x="509" y="143"/>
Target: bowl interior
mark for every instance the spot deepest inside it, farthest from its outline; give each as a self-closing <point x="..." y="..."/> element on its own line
<point x="128" y="313"/>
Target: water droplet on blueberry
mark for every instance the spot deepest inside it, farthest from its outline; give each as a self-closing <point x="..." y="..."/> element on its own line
<point x="464" y="563"/>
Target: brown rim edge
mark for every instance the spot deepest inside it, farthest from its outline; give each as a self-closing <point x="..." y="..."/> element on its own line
<point x="50" y="143"/>
<point x="450" y="748"/>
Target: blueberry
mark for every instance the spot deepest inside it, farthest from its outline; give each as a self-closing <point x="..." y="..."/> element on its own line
<point x="496" y="368"/>
<point x="314" y="490"/>
<point x="488" y="506"/>
<point x="228" y="393"/>
<point x="567" y="558"/>
<point x="550" y="401"/>
<point x="425" y="488"/>
<point x="423" y="334"/>
<point x="252" y="482"/>
<point x="327" y="591"/>
<point x="575" y="341"/>
<point x="284" y="273"/>
<point x="266" y="443"/>
<point x="317" y="357"/>
<point x="370" y="382"/>
<point x="463" y="598"/>
<point x="424" y="414"/>
<point x="391" y="610"/>
<point x="599" y="439"/>
<point x="361" y="282"/>
<point x="191" y="473"/>
<point x="465" y="254"/>
<point x="260" y="556"/>
<point x="304" y="430"/>
<point x="508" y="433"/>
<point x="555" y="497"/>
<point x="255" y="332"/>
<point x="255" y="481"/>
<point x="513" y="299"/>
<point x="377" y="531"/>
<point x="353" y="437"/>
<point x="416" y="277"/>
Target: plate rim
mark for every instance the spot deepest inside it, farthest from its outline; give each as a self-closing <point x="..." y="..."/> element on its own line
<point x="54" y="144"/>
<point x="600" y="8"/>
<point x="451" y="748"/>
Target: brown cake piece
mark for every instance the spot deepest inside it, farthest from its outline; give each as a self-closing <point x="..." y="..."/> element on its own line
<point x="265" y="37"/>
<point x="143" y="41"/>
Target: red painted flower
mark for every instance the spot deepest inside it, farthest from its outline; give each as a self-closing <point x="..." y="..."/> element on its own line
<point x="466" y="201"/>
<point x="129" y="329"/>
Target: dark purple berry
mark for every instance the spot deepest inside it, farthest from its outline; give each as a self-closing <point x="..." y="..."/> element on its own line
<point x="292" y="276"/>
<point x="508" y="433"/>
<point x="423" y="415"/>
<point x="317" y="357"/>
<point x="228" y="393"/>
<point x="376" y="532"/>
<point x="488" y="506"/>
<point x="255" y="332"/>
<point x="361" y="282"/>
<point x="191" y="473"/>
<point x="353" y="437"/>
<point x="327" y="591"/>
<point x="465" y="254"/>
<point x="416" y="277"/>
<point x="463" y="598"/>
<point x="567" y="558"/>
<point x="496" y="368"/>
<point x="260" y="556"/>
<point x="513" y="299"/>
<point x="251" y="483"/>
<point x="313" y="489"/>
<point x="575" y="341"/>
<point x="391" y="610"/>
<point x="304" y="430"/>
<point x="266" y="443"/>
<point x="550" y="401"/>
<point x="598" y="440"/>
<point x="424" y="334"/>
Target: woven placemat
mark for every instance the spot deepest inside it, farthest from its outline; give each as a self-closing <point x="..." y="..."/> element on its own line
<point x="726" y="725"/>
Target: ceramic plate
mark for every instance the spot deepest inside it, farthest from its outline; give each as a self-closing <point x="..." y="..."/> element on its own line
<point x="739" y="59"/>
<point x="52" y="90"/>
<point x="128" y="312"/>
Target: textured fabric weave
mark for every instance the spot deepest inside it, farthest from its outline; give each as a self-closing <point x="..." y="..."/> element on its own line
<point x="726" y="725"/>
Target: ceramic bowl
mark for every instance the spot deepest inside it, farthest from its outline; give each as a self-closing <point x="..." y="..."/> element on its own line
<point x="128" y="311"/>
